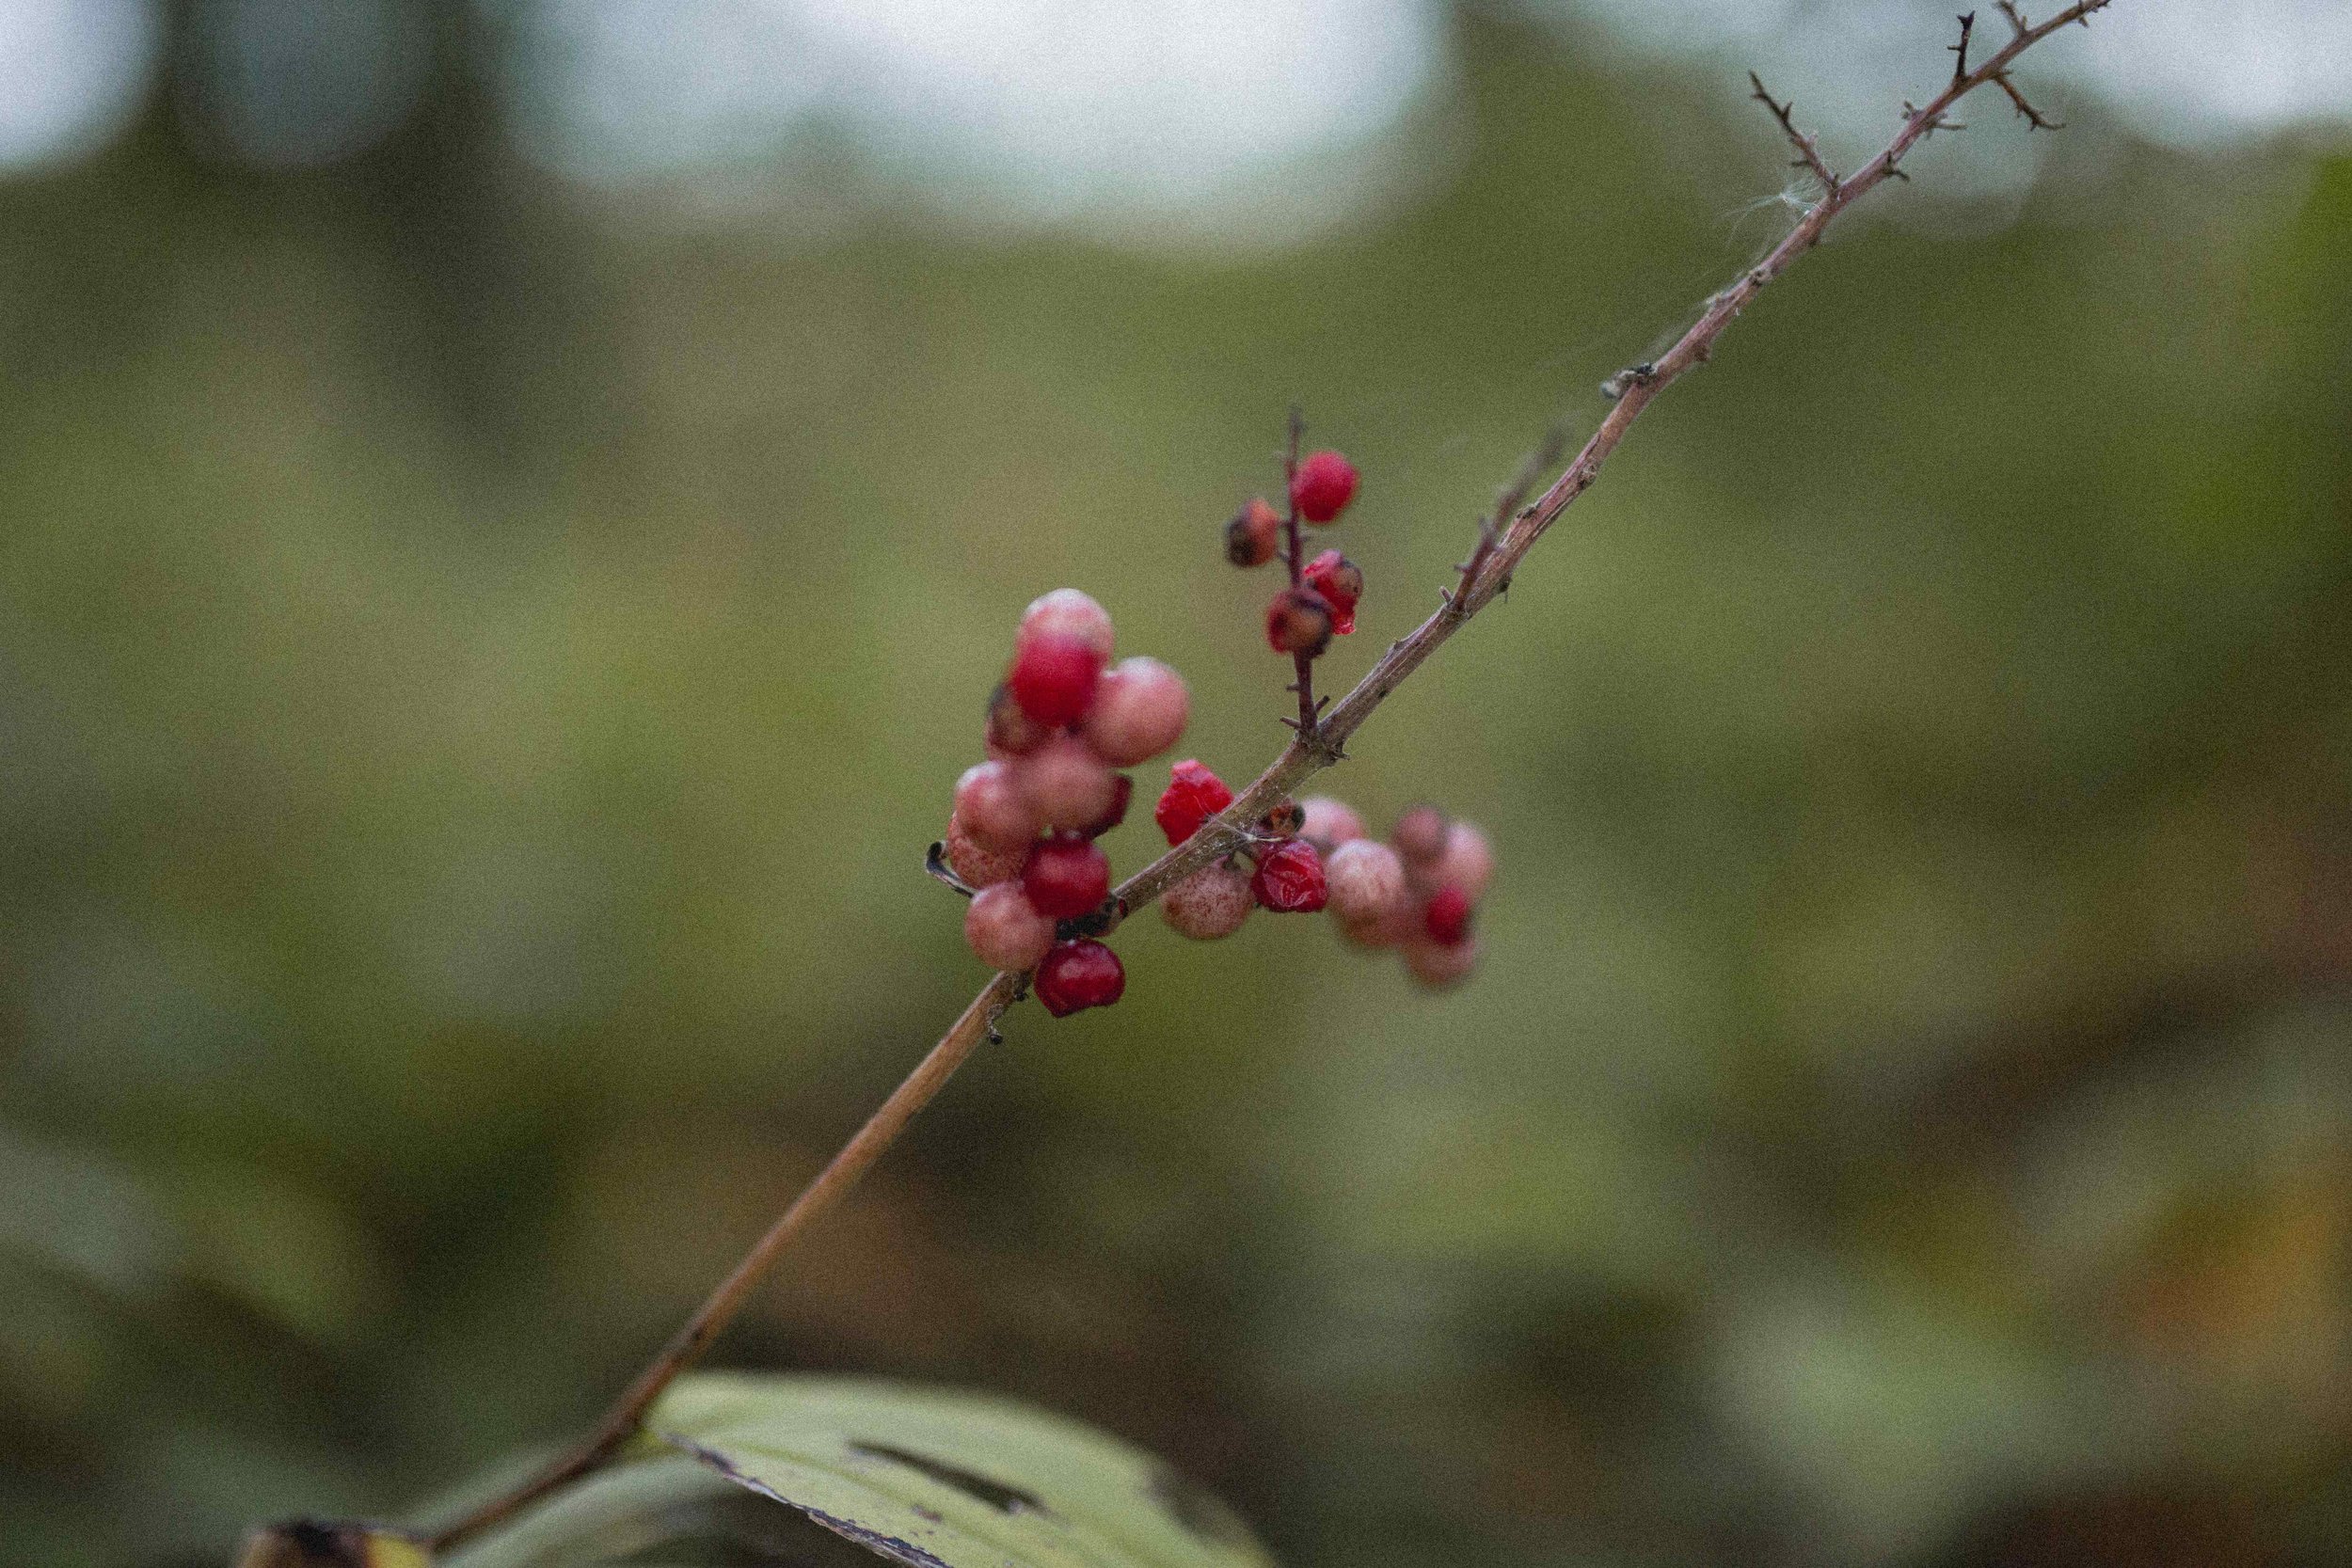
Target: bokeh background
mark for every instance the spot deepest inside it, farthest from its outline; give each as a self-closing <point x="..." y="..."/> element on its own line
<point x="511" y="511"/>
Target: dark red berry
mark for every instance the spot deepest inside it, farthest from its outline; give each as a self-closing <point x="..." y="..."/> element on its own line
<point x="1193" y="796"/>
<point x="1341" y="581"/>
<point x="1009" y="729"/>
<point x="1052" y="678"/>
<point x="1067" y="877"/>
<point x="1123" y="791"/>
<point x="1448" y="919"/>
<point x="1250" y="537"/>
<point x="1290" y="878"/>
<point x="1323" y="486"/>
<point x="1075" y="975"/>
<point x="1298" y="622"/>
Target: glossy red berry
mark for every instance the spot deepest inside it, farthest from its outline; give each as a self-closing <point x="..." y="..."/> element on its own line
<point x="1054" y="677"/>
<point x="1290" y="878"/>
<point x="1323" y="486"/>
<point x="1341" y="582"/>
<point x="1193" y="796"/>
<point x="1251" y="537"/>
<point x="1075" y="975"/>
<point x="1448" y="918"/>
<point x="1298" y="621"/>
<point x="1067" y="877"/>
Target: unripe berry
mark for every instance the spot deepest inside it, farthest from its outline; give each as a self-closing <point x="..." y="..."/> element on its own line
<point x="1075" y="975"/>
<point x="1123" y="791"/>
<point x="1298" y="621"/>
<point x="1067" y="877"/>
<point x="1210" y="903"/>
<point x="1341" y="582"/>
<point x="1010" y="732"/>
<point x="1419" y="836"/>
<point x="1250" y="537"/>
<point x="1446" y="920"/>
<point x="978" y="866"/>
<point x="1468" y="861"/>
<point x="1005" y="930"/>
<point x="1066" y="784"/>
<point x="1052" y="678"/>
<point x="990" y="804"/>
<point x="1068" y="613"/>
<point x="1323" y="486"/>
<point x="1366" y="881"/>
<point x="1140" y="707"/>
<point x="1193" y="796"/>
<point x="1328" y="823"/>
<point x="1438" y="967"/>
<point x="1290" y="878"/>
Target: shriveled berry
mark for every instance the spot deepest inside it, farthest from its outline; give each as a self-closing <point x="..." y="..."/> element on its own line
<point x="1437" y="966"/>
<point x="1468" y="861"/>
<point x="1366" y="879"/>
<point x="1005" y="930"/>
<point x="1341" y="581"/>
<point x="1284" y="819"/>
<point x="1010" y="732"/>
<point x="1298" y="621"/>
<point x="1066" y="784"/>
<point x="1250" y="537"/>
<point x="1323" y="486"/>
<point x="1328" y="823"/>
<point x="976" y="865"/>
<point x="1290" y="878"/>
<point x="1141" y="709"/>
<point x="1210" y="903"/>
<point x="1194" y="795"/>
<point x="991" y="808"/>
<point x="1054" y="677"/>
<point x="1447" y="920"/>
<point x="1122" y="792"/>
<point x="1068" y="613"/>
<point x="1075" y="975"/>
<point x="1419" y="836"/>
<point x="1067" y="877"/>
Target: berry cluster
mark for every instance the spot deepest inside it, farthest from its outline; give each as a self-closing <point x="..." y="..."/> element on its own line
<point x="1415" y="893"/>
<point x="1026" y="820"/>
<point x="1320" y="601"/>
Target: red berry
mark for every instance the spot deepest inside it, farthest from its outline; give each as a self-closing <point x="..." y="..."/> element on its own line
<point x="1298" y="621"/>
<point x="1290" y="878"/>
<point x="1010" y="732"/>
<point x="1193" y="796"/>
<point x="1448" y="917"/>
<point x="1052" y="678"/>
<point x="1067" y="877"/>
<point x="1141" y="709"/>
<point x="1075" y="975"/>
<point x="1323" y="486"/>
<point x="990" y="806"/>
<point x="1123" y="791"/>
<point x="1068" y="613"/>
<point x="1005" y="930"/>
<point x="1341" y="581"/>
<point x="1249" y="538"/>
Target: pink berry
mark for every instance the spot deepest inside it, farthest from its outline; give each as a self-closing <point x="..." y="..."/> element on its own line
<point x="1298" y="621"/>
<point x="1366" y="881"/>
<point x="1419" y="836"/>
<point x="1006" y="930"/>
<point x="1468" y="861"/>
<point x="1068" y="613"/>
<point x="1141" y="706"/>
<point x="1052" y="678"/>
<point x="978" y="866"/>
<point x="1391" y="929"/>
<point x="1341" y="582"/>
<point x="1323" y="486"/>
<point x="990" y="807"/>
<point x="1290" y="878"/>
<point x="1066" y="784"/>
<point x="1210" y="903"/>
<point x="1249" y="538"/>
<point x="1328" y="823"/>
<point x="1193" y="796"/>
<point x="1122" y="792"/>
<point x="1447" y="919"/>
<point x="1075" y="975"/>
<point x="1437" y="966"/>
<point x="1010" y="732"/>
<point x="1067" y="877"/>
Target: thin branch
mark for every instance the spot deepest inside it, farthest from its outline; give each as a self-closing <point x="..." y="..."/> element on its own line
<point x="1302" y="664"/>
<point x="1808" y="152"/>
<point x="1511" y="498"/>
<point x="1313" y="749"/>
<point x="1959" y="50"/>
<point x="2035" y="118"/>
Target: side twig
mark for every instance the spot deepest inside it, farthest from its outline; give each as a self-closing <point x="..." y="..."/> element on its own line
<point x="1302" y="664"/>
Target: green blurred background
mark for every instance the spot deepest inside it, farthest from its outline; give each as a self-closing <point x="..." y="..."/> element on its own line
<point x="500" y="574"/>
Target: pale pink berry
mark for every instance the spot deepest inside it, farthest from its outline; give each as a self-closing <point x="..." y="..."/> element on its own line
<point x="1366" y="881"/>
<point x="1437" y="966"/>
<point x="1210" y="903"/>
<point x="1419" y="836"/>
<point x="1068" y="613"/>
<point x="989" y="805"/>
<point x="1066" y="785"/>
<point x="1005" y="930"/>
<point x="978" y="866"/>
<point x="1392" y="928"/>
<point x="1469" y="862"/>
<point x="1141" y="706"/>
<point x="1328" y="823"/>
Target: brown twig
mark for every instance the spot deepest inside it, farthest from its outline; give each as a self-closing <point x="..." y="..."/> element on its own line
<point x="1507" y="503"/>
<point x="1314" y="747"/>
<point x="1808" y="152"/>
<point x="1302" y="664"/>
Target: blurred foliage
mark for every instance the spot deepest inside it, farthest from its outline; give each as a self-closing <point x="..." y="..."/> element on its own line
<point x="484" y="659"/>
